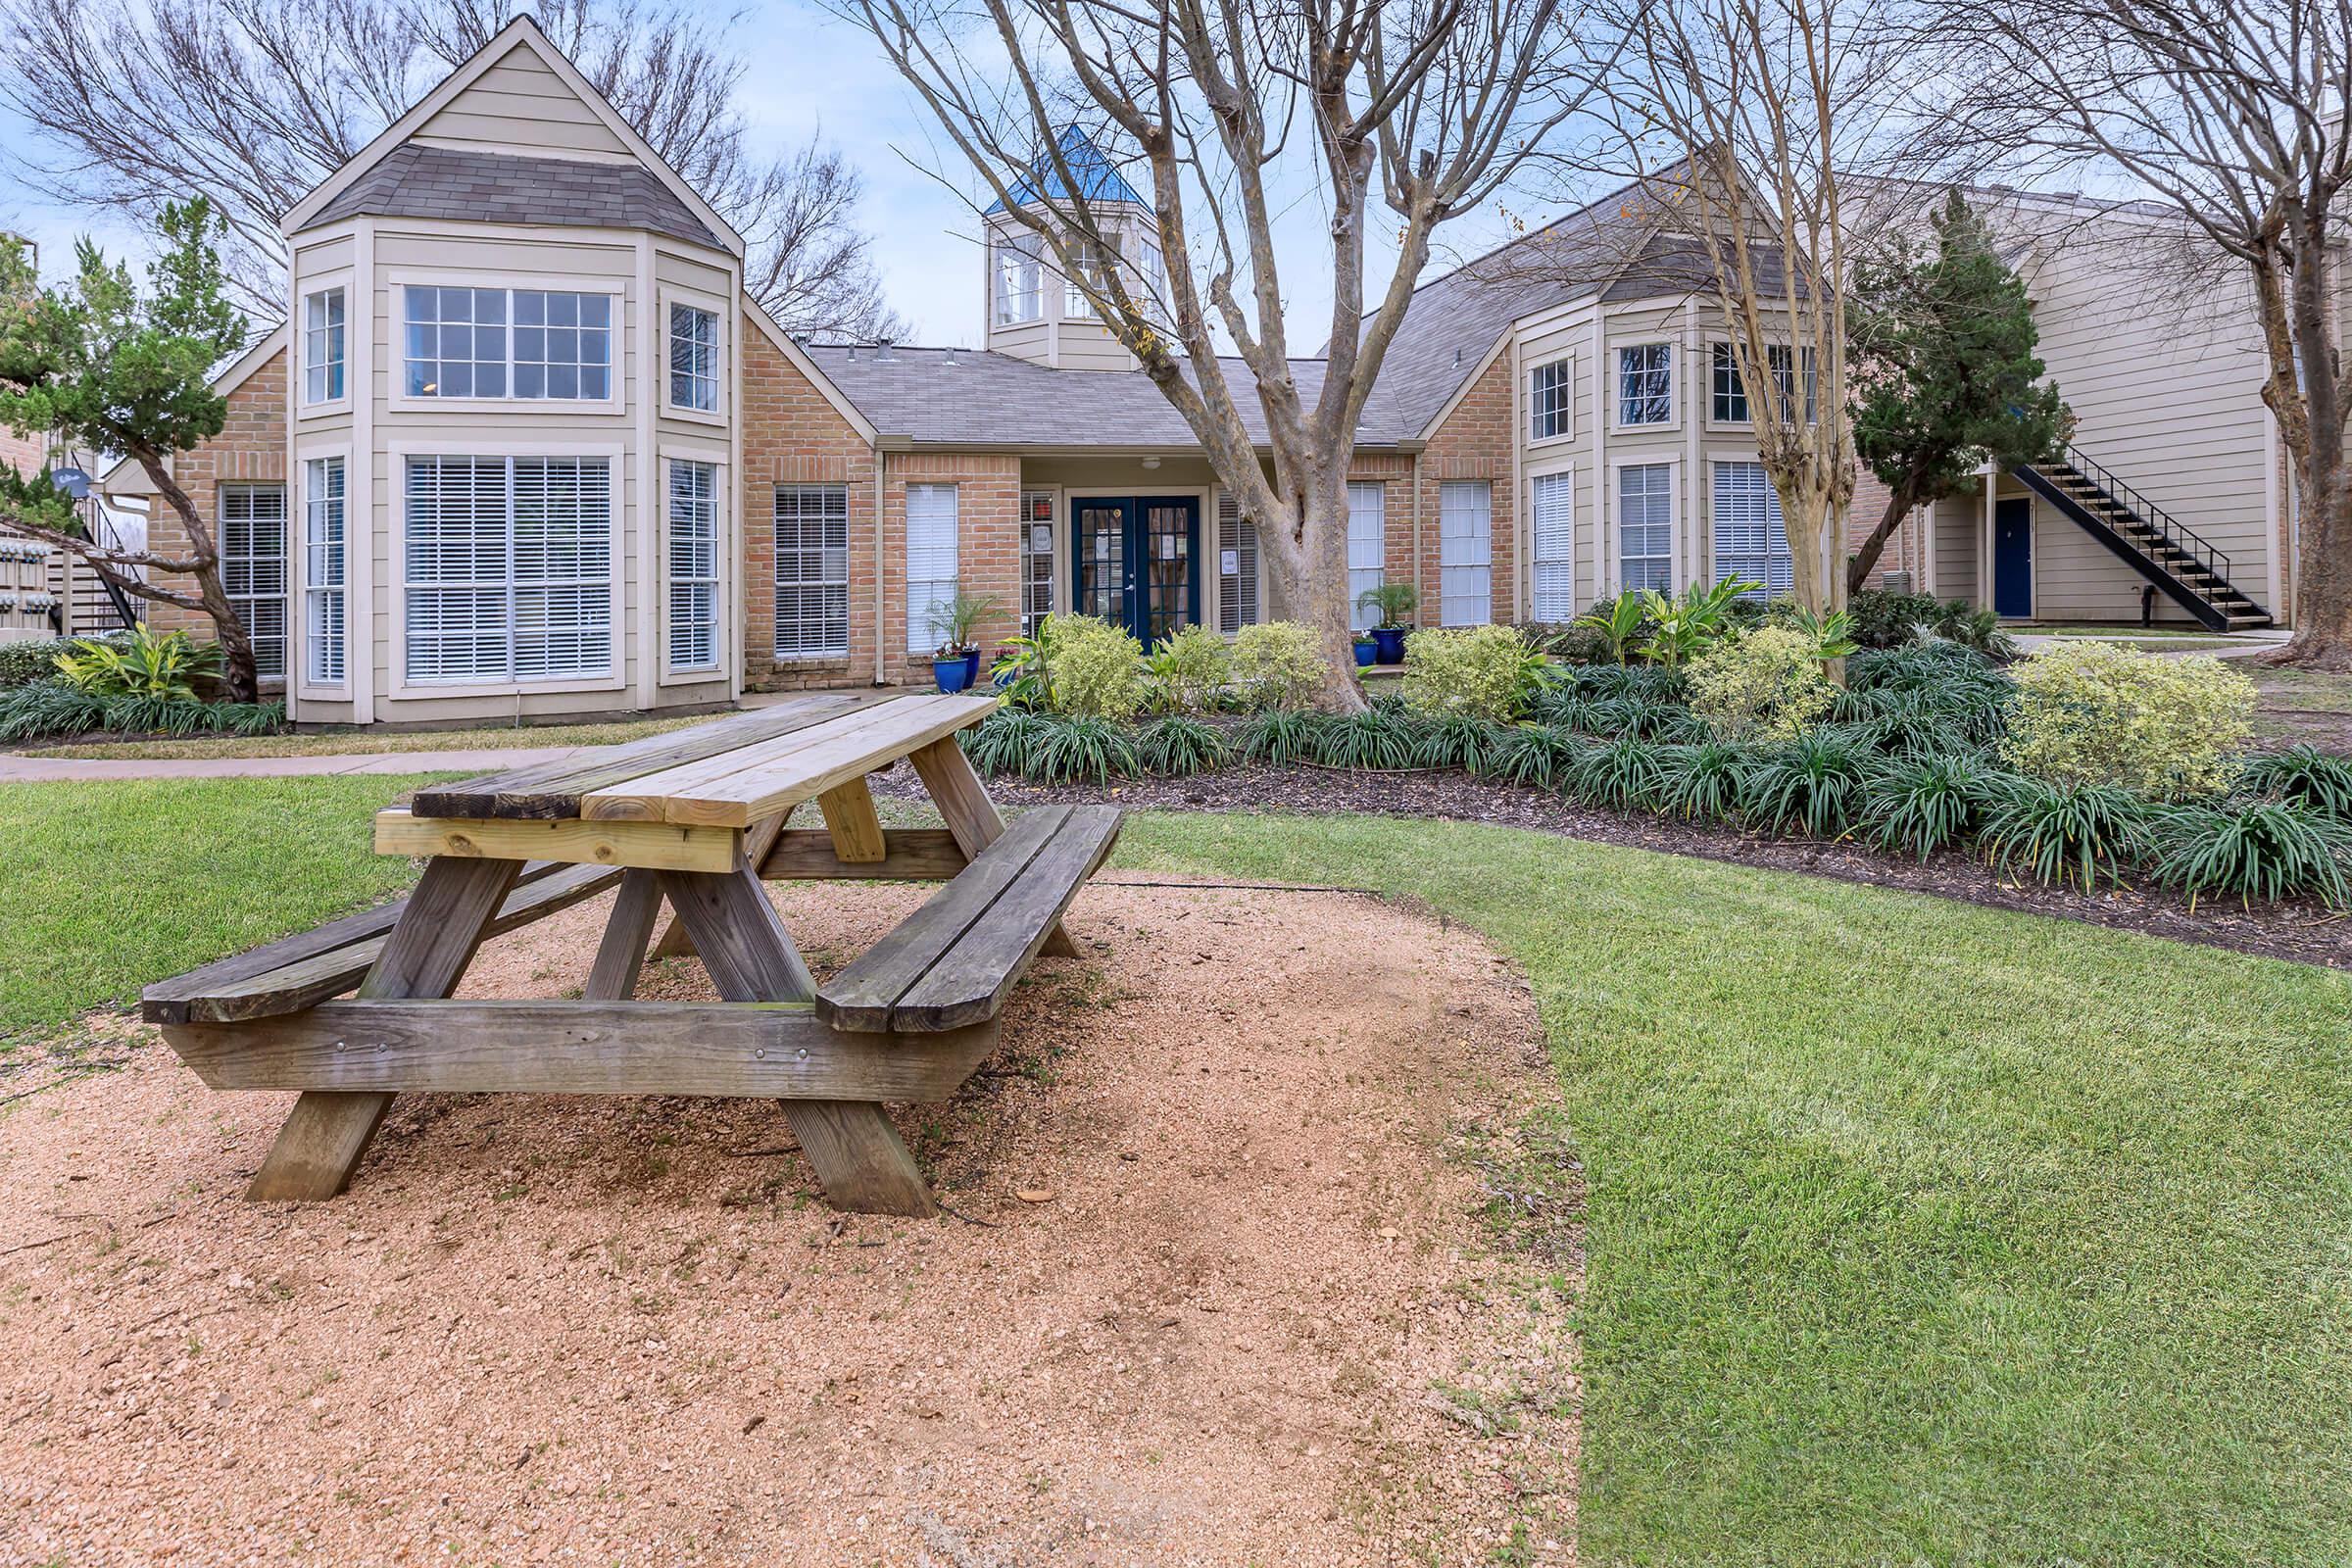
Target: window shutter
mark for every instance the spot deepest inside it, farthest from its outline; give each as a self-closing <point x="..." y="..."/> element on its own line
<point x="931" y="566"/>
<point x="1237" y="590"/>
<point x="1555" y="510"/>
<point x="1367" y="547"/>
<point x="1466" y="551"/>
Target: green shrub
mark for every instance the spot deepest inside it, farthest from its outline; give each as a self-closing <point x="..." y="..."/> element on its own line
<point x="1979" y="630"/>
<point x="1189" y="670"/>
<point x="1002" y="742"/>
<point x="1083" y="749"/>
<point x="1278" y="663"/>
<point x="57" y="708"/>
<point x="30" y="659"/>
<point x="1458" y="740"/>
<point x="1625" y="774"/>
<point x="1180" y="746"/>
<point x="1093" y="670"/>
<point x="2060" y="833"/>
<point x="1884" y="619"/>
<point x="1486" y="671"/>
<point x="2097" y="712"/>
<point x="1702" y="782"/>
<point x="141" y="663"/>
<point x="1281" y="736"/>
<point x="1768" y="685"/>
<point x="1374" y="740"/>
<point x="49" y="708"/>
<point x="1533" y="757"/>
<point x="2303" y="775"/>
<point x="1814" y="785"/>
<point x="1921" y="666"/>
<point x="1919" y="805"/>
<point x="2267" y="850"/>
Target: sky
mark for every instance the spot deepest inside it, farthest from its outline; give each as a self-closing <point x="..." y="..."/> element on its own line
<point x="810" y="73"/>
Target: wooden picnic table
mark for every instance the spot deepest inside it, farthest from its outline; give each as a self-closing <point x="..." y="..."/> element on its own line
<point x="695" y="819"/>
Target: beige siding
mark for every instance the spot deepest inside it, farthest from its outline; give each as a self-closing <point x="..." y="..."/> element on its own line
<point x="520" y="106"/>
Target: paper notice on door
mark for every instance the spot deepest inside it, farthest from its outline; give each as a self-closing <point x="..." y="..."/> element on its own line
<point x="1168" y="547"/>
<point x="1041" y="539"/>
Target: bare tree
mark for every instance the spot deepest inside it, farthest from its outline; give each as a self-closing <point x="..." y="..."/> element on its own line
<point x="1425" y="109"/>
<point x="2238" y="116"/>
<point x="1742" y="116"/>
<point x="251" y="103"/>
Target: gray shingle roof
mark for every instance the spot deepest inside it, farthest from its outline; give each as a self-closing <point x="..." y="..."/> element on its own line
<point x="415" y="181"/>
<point x="966" y="397"/>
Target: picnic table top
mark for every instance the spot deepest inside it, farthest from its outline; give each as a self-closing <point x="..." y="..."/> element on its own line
<point x="729" y="773"/>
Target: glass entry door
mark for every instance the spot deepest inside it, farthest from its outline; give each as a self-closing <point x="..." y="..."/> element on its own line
<point x="1136" y="561"/>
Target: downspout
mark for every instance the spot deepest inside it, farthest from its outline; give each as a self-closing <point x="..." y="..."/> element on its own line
<point x="1418" y="564"/>
<point x="1522" y="532"/>
<point x="881" y="673"/>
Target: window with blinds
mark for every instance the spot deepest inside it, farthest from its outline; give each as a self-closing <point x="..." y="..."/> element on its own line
<point x="1367" y="547"/>
<point x="931" y="515"/>
<point x="693" y="554"/>
<point x="1552" y="505"/>
<point x="1466" y="551"/>
<point x="322" y="568"/>
<point x="1646" y="526"/>
<point x="1237" y="546"/>
<point x="509" y="567"/>
<point x="1751" y="541"/>
<point x="812" y="572"/>
<point x="1037" y="559"/>
<point x="252" y="535"/>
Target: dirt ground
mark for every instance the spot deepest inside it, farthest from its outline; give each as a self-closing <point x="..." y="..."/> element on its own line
<point x="1218" y="1290"/>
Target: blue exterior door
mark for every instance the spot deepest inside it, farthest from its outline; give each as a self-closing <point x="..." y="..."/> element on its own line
<point x="2013" y="558"/>
<point x="1136" y="562"/>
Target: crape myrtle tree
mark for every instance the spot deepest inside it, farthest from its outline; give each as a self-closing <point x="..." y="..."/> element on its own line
<point x="1390" y="117"/>
<point x="2236" y="115"/>
<point x="105" y="365"/>
<point x="131" y="105"/>
<point x="1945" y="371"/>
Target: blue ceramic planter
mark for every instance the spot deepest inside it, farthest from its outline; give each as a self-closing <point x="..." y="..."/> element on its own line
<point x="953" y="674"/>
<point x="1363" y="655"/>
<point x="1391" y="642"/>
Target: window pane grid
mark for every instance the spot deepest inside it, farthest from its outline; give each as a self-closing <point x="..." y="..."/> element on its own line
<point x="253" y="567"/>
<point x="693" y="359"/>
<point x="931" y="565"/>
<point x="509" y="569"/>
<point x="322" y="343"/>
<point x="322" y="568"/>
<point x="1465" y="552"/>
<point x="1646" y="385"/>
<point x="526" y="344"/>
<point x="1037" y="559"/>
<point x="693" y="565"/>
<point x="1367" y="547"/>
<point x="1751" y="541"/>
<point x="1646" y="526"/>
<point x="1549" y="391"/>
<point x="1019" y="295"/>
<point x="1730" y="395"/>
<point x="812" y="572"/>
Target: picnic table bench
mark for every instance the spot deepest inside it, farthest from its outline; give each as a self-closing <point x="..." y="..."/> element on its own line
<point x="696" y="820"/>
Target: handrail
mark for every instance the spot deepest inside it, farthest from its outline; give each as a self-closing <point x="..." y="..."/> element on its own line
<point x="2173" y="531"/>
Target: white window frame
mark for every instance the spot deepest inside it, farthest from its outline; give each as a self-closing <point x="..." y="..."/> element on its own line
<point x="690" y="573"/>
<point x="1716" y="569"/>
<point x="1618" y="373"/>
<point x="831" y="652"/>
<point x="1093" y="261"/>
<point x="308" y="347"/>
<point x="721" y="347"/>
<point x="403" y="399"/>
<point x="1465" y="553"/>
<point x="923" y="588"/>
<point x="251" y="559"/>
<point x="1021" y="281"/>
<point x="1796" y="355"/>
<point x="1537" y="405"/>
<point x="399" y="686"/>
<point x="325" y="571"/>
<point x="1618" y="524"/>
<point x="1551" y="547"/>
<point x="1367" y="546"/>
<point x="1032" y="607"/>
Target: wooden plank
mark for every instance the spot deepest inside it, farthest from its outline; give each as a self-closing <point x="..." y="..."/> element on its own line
<point x="757" y="839"/>
<point x="955" y="788"/>
<point x="770" y="778"/>
<point x="327" y="1134"/>
<point x="620" y="954"/>
<point x="969" y="982"/>
<point x="163" y="1002"/>
<point x="765" y="1051"/>
<point x="656" y="845"/>
<point x="554" y="789"/>
<point x="308" y="981"/>
<point x="908" y="854"/>
<point x="736" y="932"/>
<point x="850" y="817"/>
<point x="862" y="996"/>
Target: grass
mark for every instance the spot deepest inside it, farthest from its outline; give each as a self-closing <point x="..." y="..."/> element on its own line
<point x="2123" y="632"/>
<point x="105" y="888"/>
<point x="1916" y="1233"/>
<point x="371" y="742"/>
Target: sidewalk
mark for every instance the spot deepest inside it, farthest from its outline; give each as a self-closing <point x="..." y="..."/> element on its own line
<point x="46" y="769"/>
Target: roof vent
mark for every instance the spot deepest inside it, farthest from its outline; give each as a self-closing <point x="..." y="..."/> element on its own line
<point x="882" y="348"/>
<point x="1458" y="359"/>
<point x="950" y="357"/>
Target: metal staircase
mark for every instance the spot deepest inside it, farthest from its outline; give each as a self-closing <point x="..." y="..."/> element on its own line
<point x="2148" y="539"/>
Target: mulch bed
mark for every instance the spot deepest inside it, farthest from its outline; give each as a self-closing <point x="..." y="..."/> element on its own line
<point x="2301" y="931"/>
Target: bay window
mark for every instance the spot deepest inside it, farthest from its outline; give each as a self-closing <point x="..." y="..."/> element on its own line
<point x="1646" y="526"/>
<point x="1551" y="500"/>
<point x="1646" y="385"/>
<point x="1751" y="541"/>
<point x="520" y="344"/>
<point x="1020" y="295"/>
<point x="1549" y="395"/>
<point x="509" y="569"/>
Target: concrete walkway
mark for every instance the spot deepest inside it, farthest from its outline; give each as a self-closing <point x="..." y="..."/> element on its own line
<point x="21" y="770"/>
<point x="2235" y="645"/>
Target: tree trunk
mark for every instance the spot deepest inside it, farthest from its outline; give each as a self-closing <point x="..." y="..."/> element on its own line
<point x="1866" y="557"/>
<point x="1306" y="556"/>
<point x="2322" y="635"/>
<point x="241" y="680"/>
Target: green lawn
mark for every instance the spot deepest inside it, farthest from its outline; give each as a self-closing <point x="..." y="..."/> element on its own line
<point x="373" y="742"/>
<point x="1918" y="1233"/>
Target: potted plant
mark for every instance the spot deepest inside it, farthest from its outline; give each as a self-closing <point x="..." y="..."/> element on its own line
<point x="957" y="663"/>
<point x="1366" y="649"/>
<point x="1393" y="602"/>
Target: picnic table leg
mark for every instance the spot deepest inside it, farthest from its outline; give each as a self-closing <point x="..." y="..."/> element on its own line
<point x="956" y="789"/>
<point x="757" y="839"/>
<point x="859" y="1160"/>
<point x="327" y="1133"/>
<point x="621" y="955"/>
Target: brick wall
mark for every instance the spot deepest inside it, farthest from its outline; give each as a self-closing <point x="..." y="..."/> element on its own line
<point x="1902" y="546"/>
<point x="1474" y="443"/>
<point x="251" y="448"/>
<point x="987" y="543"/>
<point x="791" y="435"/>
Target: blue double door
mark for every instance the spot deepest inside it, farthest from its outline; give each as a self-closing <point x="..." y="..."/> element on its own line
<point x="1136" y="562"/>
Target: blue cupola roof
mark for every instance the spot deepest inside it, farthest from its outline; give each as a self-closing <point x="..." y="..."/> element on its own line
<point x="1088" y="165"/>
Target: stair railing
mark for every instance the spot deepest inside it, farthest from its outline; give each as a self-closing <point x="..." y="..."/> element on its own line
<point x="2172" y="529"/>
